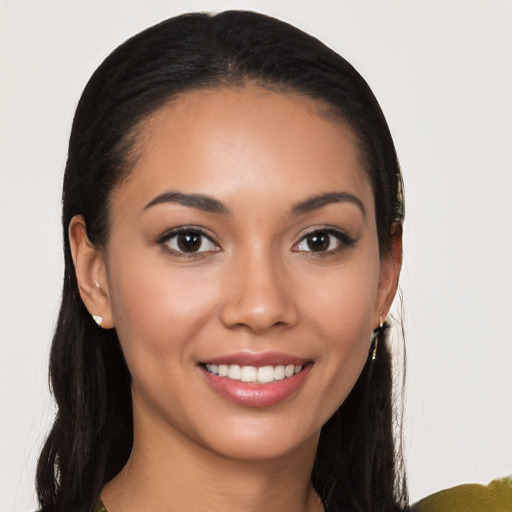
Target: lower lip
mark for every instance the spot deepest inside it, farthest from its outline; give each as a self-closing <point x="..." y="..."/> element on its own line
<point x="251" y="394"/>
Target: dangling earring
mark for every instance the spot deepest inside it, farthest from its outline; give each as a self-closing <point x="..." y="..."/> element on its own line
<point x="98" y="319"/>
<point x="375" y="337"/>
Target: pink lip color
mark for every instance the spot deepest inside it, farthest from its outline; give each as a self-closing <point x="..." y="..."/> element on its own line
<point x="252" y="394"/>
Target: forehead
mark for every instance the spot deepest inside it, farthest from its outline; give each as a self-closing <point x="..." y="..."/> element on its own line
<point x="245" y="140"/>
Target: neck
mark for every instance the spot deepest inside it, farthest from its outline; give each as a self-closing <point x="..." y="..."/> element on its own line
<point x="167" y="472"/>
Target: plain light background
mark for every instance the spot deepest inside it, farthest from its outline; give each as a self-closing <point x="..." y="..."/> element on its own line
<point x="442" y="72"/>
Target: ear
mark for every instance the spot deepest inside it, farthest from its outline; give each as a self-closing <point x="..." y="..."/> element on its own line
<point x="90" y="272"/>
<point x="390" y="265"/>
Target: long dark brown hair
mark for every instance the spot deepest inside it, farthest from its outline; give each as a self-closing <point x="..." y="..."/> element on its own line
<point x="358" y="466"/>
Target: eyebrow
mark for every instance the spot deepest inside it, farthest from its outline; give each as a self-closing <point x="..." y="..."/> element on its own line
<point x="211" y="205"/>
<point x="317" y="202"/>
<point x="199" y="201"/>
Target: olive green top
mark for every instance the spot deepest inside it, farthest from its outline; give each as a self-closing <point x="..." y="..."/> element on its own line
<point x="495" y="497"/>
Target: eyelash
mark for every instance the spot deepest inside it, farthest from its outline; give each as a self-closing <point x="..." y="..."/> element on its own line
<point x="342" y="237"/>
<point x="165" y="239"/>
<point x="344" y="241"/>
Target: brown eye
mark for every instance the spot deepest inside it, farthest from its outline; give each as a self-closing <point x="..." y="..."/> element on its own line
<point x="319" y="241"/>
<point x="189" y="241"/>
<point x="324" y="240"/>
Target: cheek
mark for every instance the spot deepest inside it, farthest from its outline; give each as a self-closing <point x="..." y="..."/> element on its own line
<point x="156" y="305"/>
<point x="343" y="301"/>
<point x="341" y="312"/>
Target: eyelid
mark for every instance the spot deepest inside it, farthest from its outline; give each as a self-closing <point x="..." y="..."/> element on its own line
<point x="344" y="238"/>
<point x="164" y="238"/>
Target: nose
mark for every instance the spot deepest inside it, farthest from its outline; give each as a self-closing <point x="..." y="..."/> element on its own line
<point x="258" y="295"/>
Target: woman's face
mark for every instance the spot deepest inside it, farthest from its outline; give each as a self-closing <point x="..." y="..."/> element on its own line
<point x="243" y="270"/>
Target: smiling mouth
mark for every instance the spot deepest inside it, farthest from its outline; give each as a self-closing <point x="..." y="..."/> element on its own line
<point x="258" y="375"/>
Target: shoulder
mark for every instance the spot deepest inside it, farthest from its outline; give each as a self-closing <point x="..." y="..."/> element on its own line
<point x="495" y="497"/>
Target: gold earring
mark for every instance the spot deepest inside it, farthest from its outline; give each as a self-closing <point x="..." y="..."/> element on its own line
<point x="383" y="325"/>
<point x="98" y="319"/>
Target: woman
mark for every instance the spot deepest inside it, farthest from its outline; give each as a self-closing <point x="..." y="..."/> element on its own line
<point x="232" y="216"/>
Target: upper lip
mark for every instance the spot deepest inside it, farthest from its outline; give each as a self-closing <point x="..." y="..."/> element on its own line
<point x="258" y="359"/>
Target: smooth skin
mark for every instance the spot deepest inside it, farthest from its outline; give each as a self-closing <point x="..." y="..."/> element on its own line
<point x="244" y="274"/>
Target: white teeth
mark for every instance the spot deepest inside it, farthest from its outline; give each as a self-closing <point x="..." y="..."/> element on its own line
<point x="248" y="374"/>
<point x="266" y="374"/>
<point x="279" y="372"/>
<point x="262" y="374"/>
<point x="289" y="370"/>
<point x="234" y="372"/>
